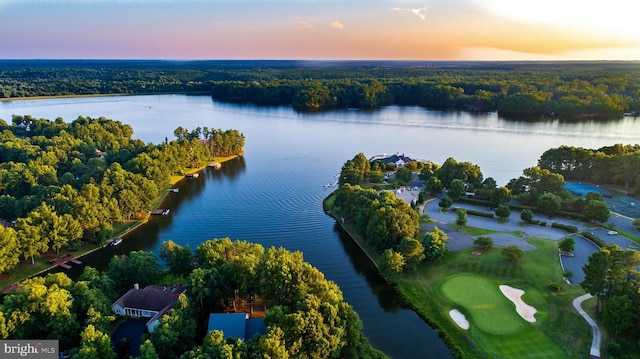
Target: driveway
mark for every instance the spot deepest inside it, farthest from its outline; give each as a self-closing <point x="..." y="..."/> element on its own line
<point x="131" y="329"/>
<point x="511" y="225"/>
<point x="583" y="250"/>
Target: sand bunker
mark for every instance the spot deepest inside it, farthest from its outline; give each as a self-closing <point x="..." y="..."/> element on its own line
<point x="459" y="318"/>
<point x="515" y="295"/>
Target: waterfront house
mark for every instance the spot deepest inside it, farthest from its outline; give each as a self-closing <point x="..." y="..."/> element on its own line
<point x="150" y="302"/>
<point x="398" y="160"/>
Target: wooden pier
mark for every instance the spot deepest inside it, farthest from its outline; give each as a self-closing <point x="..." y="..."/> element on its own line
<point x="62" y="261"/>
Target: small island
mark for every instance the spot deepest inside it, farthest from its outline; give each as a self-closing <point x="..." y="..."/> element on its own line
<point x="493" y="281"/>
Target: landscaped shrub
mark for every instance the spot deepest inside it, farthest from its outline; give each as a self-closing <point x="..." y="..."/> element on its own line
<point x="475" y="201"/>
<point x="479" y="213"/>
<point x="599" y="242"/>
<point x="564" y="227"/>
<point x="539" y="223"/>
<point x="555" y="287"/>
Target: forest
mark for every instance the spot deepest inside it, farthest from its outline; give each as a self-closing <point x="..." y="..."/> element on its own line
<point x="564" y="90"/>
<point x="66" y="183"/>
<point x="306" y="315"/>
<point x="617" y="165"/>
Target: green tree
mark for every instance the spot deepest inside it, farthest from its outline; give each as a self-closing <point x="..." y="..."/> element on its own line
<point x="456" y="189"/>
<point x="513" y="253"/>
<point x="526" y="215"/>
<point x="94" y="344"/>
<point x="435" y="244"/>
<point x="595" y="275"/>
<point x="617" y="315"/>
<point x="500" y="195"/>
<point x="391" y="264"/>
<point x="567" y="244"/>
<point x="272" y="344"/>
<point x="429" y="171"/>
<point x="175" y="332"/>
<point x="503" y="211"/>
<point x="549" y="203"/>
<point x="139" y="267"/>
<point x="176" y="257"/>
<point x="147" y="350"/>
<point x="9" y="249"/>
<point x="434" y="186"/>
<point x="595" y="210"/>
<point x="403" y="175"/>
<point x="445" y="203"/>
<point x="461" y="217"/>
<point x="29" y="238"/>
<point x="412" y="251"/>
<point x="483" y="242"/>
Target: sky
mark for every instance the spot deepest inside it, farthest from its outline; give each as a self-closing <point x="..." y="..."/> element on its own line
<point x="321" y="29"/>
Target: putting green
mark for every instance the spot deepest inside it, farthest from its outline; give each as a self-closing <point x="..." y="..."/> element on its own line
<point x="483" y="303"/>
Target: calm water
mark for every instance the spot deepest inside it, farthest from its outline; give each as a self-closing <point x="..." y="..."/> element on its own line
<point x="273" y="195"/>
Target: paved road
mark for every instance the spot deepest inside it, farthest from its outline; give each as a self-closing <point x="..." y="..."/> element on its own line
<point x="597" y="334"/>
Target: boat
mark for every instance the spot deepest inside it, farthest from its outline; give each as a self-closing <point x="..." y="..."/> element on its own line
<point x="116" y="242"/>
<point x="174" y="190"/>
<point x="215" y="165"/>
<point x="161" y="211"/>
<point x="193" y="175"/>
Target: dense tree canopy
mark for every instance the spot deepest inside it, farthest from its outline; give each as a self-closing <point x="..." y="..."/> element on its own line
<point x="564" y="90"/>
<point x="617" y="165"/>
<point x="383" y="219"/>
<point x="65" y="182"/>
<point x="306" y="316"/>
<point x="612" y="275"/>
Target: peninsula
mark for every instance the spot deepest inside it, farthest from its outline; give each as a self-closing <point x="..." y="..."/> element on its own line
<point x="472" y="258"/>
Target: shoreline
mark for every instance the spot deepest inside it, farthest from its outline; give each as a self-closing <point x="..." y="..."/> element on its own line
<point x="346" y="229"/>
<point x="195" y="93"/>
<point x="4" y="285"/>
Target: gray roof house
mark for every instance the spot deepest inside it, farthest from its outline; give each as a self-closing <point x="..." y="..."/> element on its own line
<point x="399" y="160"/>
<point x="150" y="302"/>
<point x="236" y="325"/>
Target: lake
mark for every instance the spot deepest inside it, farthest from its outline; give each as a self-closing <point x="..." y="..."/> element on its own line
<point x="273" y="195"/>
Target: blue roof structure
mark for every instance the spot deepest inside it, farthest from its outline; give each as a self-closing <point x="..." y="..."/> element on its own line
<point x="236" y="325"/>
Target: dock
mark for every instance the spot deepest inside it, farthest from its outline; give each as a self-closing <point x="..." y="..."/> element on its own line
<point x="174" y="190"/>
<point x="161" y="211"/>
<point x="62" y="261"/>
<point x="215" y="165"/>
<point x="193" y="175"/>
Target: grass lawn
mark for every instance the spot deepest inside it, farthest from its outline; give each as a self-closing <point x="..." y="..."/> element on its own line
<point x="558" y="332"/>
<point x="483" y="303"/>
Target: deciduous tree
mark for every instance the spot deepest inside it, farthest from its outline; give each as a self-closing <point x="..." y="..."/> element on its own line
<point x="513" y="253"/>
<point x="391" y="264"/>
<point x="435" y="244"/>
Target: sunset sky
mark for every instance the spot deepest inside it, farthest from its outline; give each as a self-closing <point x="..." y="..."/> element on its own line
<point x="321" y="29"/>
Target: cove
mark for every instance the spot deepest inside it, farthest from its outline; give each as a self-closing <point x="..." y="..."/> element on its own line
<point x="273" y="194"/>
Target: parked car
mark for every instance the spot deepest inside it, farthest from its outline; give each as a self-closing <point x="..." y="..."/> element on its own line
<point x="612" y="233"/>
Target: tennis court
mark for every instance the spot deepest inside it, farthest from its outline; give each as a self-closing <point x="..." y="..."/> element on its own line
<point x="624" y="205"/>
<point x="581" y="189"/>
